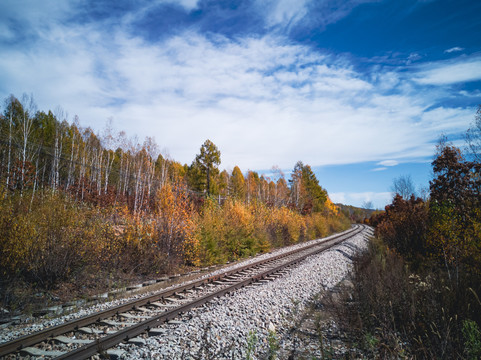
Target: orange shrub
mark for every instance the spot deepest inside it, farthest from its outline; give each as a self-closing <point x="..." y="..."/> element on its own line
<point x="235" y="229"/>
<point x="48" y="239"/>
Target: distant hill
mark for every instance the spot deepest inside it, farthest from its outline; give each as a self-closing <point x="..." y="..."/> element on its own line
<point x="356" y="214"/>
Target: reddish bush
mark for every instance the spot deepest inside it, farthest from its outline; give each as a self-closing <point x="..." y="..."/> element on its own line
<point x="404" y="225"/>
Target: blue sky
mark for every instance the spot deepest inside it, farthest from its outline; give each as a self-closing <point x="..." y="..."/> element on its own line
<point x="360" y="90"/>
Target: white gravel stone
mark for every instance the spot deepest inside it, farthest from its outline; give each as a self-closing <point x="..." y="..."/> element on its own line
<point x="223" y="327"/>
<point x="30" y="324"/>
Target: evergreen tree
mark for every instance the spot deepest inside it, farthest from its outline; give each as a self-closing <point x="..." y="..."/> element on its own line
<point x="306" y="193"/>
<point x="205" y="166"/>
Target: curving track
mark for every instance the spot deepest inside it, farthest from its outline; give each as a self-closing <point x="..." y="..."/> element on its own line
<point x="96" y="333"/>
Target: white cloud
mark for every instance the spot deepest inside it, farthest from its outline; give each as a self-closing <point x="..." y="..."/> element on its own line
<point x="446" y="120"/>
<point x="388" y="163"/>
<point x="413" y="57"/>
<point x="262" y="100"/>
<point x="338" y="198"/>
<point x="462" y="70"/>
<point x="305" y="13"/>
<point x="379" y="199"/>
<point x="454" y="49"/>
<point x="474" y="93"/>
<point x="286" y="11"/>
<point x="187" y="4"/>
<point x="33" y="15"/>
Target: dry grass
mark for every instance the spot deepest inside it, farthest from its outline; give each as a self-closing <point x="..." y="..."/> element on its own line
<point x="392" y="312"/>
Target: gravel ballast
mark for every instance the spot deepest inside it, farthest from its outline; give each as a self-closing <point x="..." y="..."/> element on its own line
<point x="29" y="324"/>
<point x="245" y="322"/>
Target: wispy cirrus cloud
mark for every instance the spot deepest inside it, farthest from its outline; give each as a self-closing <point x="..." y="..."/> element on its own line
<point x="290" y="14"/>
<point x="451" y="72"/>
<point x="263" y="100"/>
<point x="388" y="163"/>
<point x="21" y="18"/>
<point x="383" y="165"/>
<point x="285" y="12"/>
<point x="453" y="49"/>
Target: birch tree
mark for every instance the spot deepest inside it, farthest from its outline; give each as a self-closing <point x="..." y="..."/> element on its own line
<point x="60" y="129"/>
<point x="403" y="185"/>
<point x="27" y="120"/>
<point x="74" y="151"/>
<point x="152" y="150"/>
<point x="108" y="142"/>
<point x="10" y="108"/>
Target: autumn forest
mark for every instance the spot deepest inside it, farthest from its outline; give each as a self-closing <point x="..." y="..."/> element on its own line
<point x="80" y="208"/>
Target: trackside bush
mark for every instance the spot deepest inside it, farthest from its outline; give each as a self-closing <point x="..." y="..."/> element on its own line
<point x="236" y="230"/>
<point x="46" y="238"/>
<point x="422" y="315"/>
<point x="404" y="225"/>
<point x="50" y="238"/>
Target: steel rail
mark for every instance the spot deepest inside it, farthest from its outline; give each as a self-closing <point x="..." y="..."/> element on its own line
<point x="73" y="325"/>
<point x="111" y="340"/>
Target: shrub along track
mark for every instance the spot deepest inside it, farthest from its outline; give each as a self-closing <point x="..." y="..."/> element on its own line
<point x="98" y="332"/>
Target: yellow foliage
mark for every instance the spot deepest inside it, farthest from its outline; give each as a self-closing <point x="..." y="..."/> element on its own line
<point x="235" y="229"/>
<point x="53" y="236"/>
<point x="49" y="240"/>
<point x="331" y="207"/>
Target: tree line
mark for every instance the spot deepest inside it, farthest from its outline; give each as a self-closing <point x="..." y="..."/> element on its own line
<point x="42" y="150"/>
<point x="76" y="205"/>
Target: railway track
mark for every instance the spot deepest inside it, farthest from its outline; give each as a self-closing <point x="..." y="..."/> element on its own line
<point x="99" y="332"/>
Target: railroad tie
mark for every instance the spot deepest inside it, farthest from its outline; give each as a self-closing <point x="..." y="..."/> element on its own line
<point x="90" y="331"/>
<point x="142" y="309"/>
<point x="134" y="317"/>
<point x="137" y="341"/>
<point x="115" y="354"/>
<point x="157" y="331"/>
<point x="171" y="300"/>
<point x="33" y="351"/>
<point x="68" y="340"/>
<point x="232" y="278"/>
<point x="116" y="323"/>
<point x="161" y="305"/>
